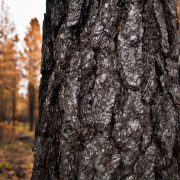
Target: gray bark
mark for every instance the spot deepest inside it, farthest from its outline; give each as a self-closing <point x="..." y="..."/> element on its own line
<point x="109" y="94"/>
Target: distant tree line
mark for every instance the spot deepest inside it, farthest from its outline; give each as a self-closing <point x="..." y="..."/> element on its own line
<point x="19" y="66"/>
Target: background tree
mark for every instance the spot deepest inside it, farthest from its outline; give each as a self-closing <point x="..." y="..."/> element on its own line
<point x="109" y="94"/>
<point x="178" y="13"/>
<point x="32" y="57"/>
<point x="9" y="73"/>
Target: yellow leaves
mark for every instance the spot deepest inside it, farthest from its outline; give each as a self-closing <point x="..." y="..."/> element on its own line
<point x="32" y="52"/>
<point x="9" y="73"/>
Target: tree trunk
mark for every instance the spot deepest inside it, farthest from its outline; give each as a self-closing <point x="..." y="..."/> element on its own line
<point x="109" y="94"/>
<point x="14" y="104"/>
<point x="14" y="108"/>
<point x="31" y="93"/>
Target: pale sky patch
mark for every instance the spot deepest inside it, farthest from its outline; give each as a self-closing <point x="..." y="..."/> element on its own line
<point x="22" y="11"/>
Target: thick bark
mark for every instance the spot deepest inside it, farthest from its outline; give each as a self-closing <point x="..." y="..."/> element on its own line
<point x="109" y="94"/>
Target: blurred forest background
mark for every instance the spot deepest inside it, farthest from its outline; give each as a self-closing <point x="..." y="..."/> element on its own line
<point x="19" y="70"/>
<point x="19" y="81"/>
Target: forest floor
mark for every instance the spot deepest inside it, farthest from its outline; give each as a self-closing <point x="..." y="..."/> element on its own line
<point x="16" y="157"/>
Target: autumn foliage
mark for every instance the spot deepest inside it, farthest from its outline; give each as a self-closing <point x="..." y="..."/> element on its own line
<point x="19" y="69"/>
<point x="9" y="73"/>
<point x="32" y="56"/>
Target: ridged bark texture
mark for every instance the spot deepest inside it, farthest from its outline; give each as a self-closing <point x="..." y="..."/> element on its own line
<point x="110" y="91"/>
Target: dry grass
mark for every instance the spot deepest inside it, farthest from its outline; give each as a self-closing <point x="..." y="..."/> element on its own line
<point x="16" y="157"/>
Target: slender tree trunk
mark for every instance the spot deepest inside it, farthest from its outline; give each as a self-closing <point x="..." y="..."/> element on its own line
<point x="14" y="105"/>
<point x="1" y="105"/>
<point x="14" y="110"/>
<point x="109" y="94"/>
<point x="31" y="106"/>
